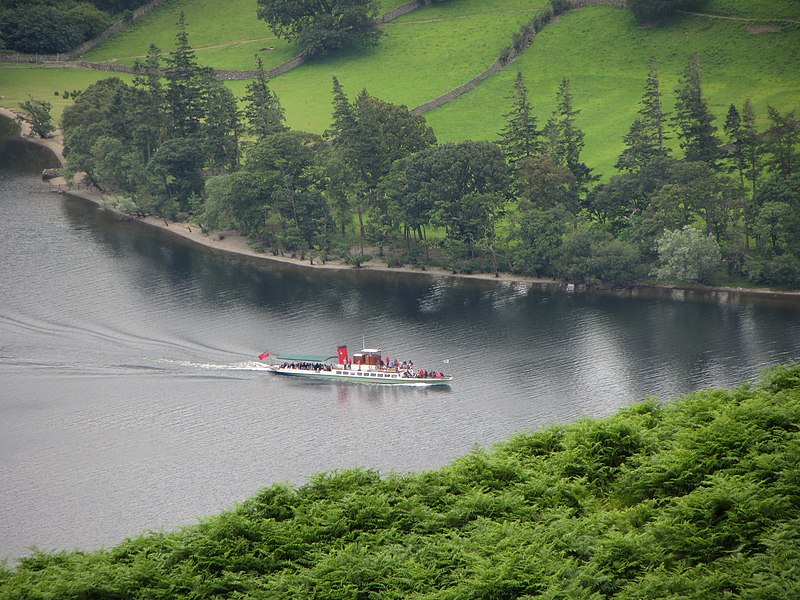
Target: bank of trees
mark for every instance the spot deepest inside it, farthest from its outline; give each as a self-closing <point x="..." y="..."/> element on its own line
<point x="175" y="142"/>
<point x="692" y="498"/>
<point x="54" y="26"/>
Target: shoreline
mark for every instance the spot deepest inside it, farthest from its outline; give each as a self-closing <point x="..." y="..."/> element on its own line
<point x="233" y="243"/>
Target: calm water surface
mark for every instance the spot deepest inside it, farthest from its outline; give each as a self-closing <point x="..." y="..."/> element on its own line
<point x="130" y="398"/>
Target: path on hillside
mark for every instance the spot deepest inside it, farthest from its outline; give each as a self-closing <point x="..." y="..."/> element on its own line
<point x="739" y="19"/>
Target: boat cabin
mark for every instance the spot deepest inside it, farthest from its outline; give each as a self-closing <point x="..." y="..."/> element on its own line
<point x="368" y="356"/>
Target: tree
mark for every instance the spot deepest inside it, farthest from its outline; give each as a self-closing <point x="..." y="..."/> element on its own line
<point x="343" y="118"/>
<point x="370" y="135"/>
<point x="782" y="142"/>
<point x="321" y="26"/>
<point x="648" y="10"/>
<point x="592" y="256"/>
<point x="465" y="185"/>
<point x="687" y="255"/>
<point x="263" y="111"/>
<point x="697" y="134"/>
<point x="186" y="85"/>
<point x="520" y="138"/>
<point x="50" y="27"/>
<point x="536" y="239"/>
<point x="565" y="140"/>
<point x="37" y="113"/>
<point x="645" y="138"/>
<point x="150" y="106"/>
<point x="545" y="184"/>
<point x="221" y="129"/>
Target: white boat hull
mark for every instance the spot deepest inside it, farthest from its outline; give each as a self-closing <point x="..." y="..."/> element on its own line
<point x="361" y="376"/>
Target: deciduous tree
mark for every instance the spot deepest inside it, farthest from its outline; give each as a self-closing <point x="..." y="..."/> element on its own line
<point x="687" y="255"/>
<point x="37" y="113"/>
<point x="320" y="26"/>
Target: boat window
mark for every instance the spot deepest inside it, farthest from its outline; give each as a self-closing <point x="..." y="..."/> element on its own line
<point x="338" y="372"/>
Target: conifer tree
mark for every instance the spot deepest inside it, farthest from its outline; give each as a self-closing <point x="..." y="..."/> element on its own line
<point x="645" y="138"/>
<point x="693" y="119"/>
<point x="263" y="110"/>
<point x="150" y="108"/>
<point x="186" y="85"/>
<point x="221" y="129"/>
<point x="343" y="114"/>
<point x="782" y="141"/>
<point x="565" y="140"/>
<point x="751" y="145"/>
<point x="520" y="138"/>
<point x="652" y="110"/>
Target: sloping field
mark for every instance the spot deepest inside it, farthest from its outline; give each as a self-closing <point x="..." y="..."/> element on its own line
<point x="747" y="50"/>
<point x="225" y="35"/>
<point x="605" y="55"/>
<point x="424" y="54"/>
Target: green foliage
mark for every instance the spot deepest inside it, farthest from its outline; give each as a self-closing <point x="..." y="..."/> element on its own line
<point x="50" y="26"/>
<point x="687" y="255"/>
<point x="696" y="497"/>
<point x="647" y="10"/>
<point x="38" y="114"/>
<point x="320" y="27"/>
<point x="593" y="256"/>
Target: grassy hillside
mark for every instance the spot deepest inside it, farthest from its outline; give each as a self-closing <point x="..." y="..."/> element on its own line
<point x="748" y="49"/>
<point x="225" y="37"/>
<point x="424" y="54"/>
<point x="605" y="55"/>
<point x="695" y="498"/>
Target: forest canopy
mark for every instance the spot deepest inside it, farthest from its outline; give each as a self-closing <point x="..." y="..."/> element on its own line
<point x="55" y="26"/>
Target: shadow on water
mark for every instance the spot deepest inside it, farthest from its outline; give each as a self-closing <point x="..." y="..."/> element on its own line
<point x="19" y="155"/>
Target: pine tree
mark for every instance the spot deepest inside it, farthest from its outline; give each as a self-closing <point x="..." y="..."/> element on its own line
<point x="520" y="138"/>
<point x="693" y="119"/>
<point x="186" y="85"/>
<point x="652" y="111"/>
<point x="263" y="110"/>
<point x="343" y="114"/>
<point x="221" y="129"/>
<point x="646" y="137"/>
<point x="150" y="109"/>
<point x="564" y="139"/>
<point x="782" y="140"/>
<point x="751" y="145"/>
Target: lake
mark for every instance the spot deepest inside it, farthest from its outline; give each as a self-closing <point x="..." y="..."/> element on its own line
<point x="131" y="397"/>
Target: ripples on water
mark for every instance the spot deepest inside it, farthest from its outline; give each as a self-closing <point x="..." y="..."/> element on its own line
<point x="130" y="397"/>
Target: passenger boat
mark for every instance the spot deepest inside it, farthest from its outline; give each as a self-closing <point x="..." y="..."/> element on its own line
<point x="367" y="366"/>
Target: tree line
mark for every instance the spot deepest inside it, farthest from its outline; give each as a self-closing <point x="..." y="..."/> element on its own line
<point x="176" y="143"/>
<point x="56" y="26"/>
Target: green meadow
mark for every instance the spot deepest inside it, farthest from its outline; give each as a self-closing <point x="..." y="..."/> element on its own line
<point x="605" y="55"/>
<point x="748" y="50"/>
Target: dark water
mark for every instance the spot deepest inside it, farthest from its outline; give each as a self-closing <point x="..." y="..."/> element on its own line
<point x="130" y="398"/>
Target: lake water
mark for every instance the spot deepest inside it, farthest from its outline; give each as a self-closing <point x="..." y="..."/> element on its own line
<point x="131" y="398"/>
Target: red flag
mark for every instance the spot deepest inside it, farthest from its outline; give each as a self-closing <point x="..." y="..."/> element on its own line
<point x="263" y="356"/>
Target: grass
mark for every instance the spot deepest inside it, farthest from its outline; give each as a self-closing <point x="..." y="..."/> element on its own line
<point x="423" y="55"/>
<point x="230" y="40"/>
<point x="19" y="83"/>
<point x="432" y="50"/>
<point x="608" y="67"/>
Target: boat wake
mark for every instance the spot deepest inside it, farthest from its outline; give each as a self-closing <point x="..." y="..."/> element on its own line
<point x="248" y="365"/>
